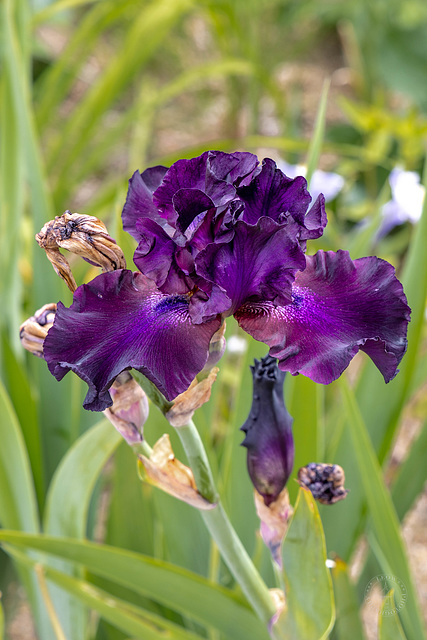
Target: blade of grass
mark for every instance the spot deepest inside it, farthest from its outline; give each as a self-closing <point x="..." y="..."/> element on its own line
<point x="67" y="507"/>
<point x="18" y="506"/>
<point x="389" y="627"/>
<point x="316" y="141"/>
<point x="22" y="397"/>
<point x="383" y="518"/>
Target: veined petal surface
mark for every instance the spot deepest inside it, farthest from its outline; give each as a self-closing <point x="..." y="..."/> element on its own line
<point x="118" y="321"/>
<point x="338" y="307"/>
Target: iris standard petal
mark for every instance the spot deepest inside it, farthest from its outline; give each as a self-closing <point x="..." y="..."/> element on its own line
<point x="186" y="174"/>
<point x="139" y="199"/>
<point x="338" y="307"/>
<point x="274" y="195"/>
<point x="119" y="321"/>
<point x="259" y="262"/>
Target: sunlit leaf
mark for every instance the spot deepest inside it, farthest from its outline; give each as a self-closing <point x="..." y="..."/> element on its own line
<point x="310" y="610"/>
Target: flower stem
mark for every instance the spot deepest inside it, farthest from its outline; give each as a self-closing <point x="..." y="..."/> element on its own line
<point x="221" y="529"/>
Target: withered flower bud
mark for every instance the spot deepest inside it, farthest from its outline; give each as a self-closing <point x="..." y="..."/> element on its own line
<point x="325" y="481"/>
<point x="84" y="235"/>
<point x="268" y="429"/>
<point x="216" y="351"/>
<point x="33" y="331"/>
<point x="129" y="410"/>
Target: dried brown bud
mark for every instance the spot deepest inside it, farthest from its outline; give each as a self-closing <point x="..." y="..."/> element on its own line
<point x="33" y="331"/>
<point x="274" y="522"/>
<point x="129" y="410"/>
<point x="164" y="471"/>
<point x="325" y="481"/>
<point x="83" y="235"/>
<point x="188" y="402"/>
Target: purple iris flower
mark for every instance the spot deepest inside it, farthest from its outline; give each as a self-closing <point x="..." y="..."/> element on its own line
<point x="222" y="235"/>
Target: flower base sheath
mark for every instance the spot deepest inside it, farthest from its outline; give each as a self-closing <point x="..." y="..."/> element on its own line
<point x="222" y="235"/>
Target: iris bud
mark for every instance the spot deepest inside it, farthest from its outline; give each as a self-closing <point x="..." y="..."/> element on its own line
<point x="129" y="410"/>
<point x="33" y="331"/>
<point x="268" y="430"/>
<point x="84" y="235"/>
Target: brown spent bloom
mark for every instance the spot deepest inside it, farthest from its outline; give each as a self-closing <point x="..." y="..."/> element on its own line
<point x="84" y="235"/>
<point x="325" y="481"/>
<point x="33" y="331"/>
<point x="129" y="410"/>
<point x="164" y="471"/>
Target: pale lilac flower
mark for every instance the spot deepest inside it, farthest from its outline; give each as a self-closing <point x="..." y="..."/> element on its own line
<point x="407" y="198"/>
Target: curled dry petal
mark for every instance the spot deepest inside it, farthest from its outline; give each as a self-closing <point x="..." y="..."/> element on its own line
<point x="129" y="410"/>
<point x="164" y="471"/>
<point x="325" y="481"/>
<point x="186" y="403"/>
<point x="279" y="600"/>
<point x="33" y="331"/>
<point x="84" y="235"/>
<point x="274" y="522"/>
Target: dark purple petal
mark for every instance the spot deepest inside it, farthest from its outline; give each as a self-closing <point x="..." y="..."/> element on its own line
<point x="274" y="195"/>
<point x="188" y="203"/>
<point x="120" y="321"/>
<point x="155" y="253"/>
<point x="139" y="199"/>
<point x="268" y="429"/>
<point x="338" y="307"/>
<point x="238" y="168"/>
<point x="259" y="262"/>
<point x="315" y="221"/>
<point x="213" y="173"/>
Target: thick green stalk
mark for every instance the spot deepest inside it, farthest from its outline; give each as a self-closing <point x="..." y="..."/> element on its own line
<point x="221" y="530"/>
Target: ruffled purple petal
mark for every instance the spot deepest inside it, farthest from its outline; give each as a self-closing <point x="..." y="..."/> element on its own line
<point x="258" y="263"/>
<point x="338" y="307"/>
<point x="274" y="195"/>
<point x="159" y="258"/>
<point x="120" y="321"/>
<point x="188" y="204"/>
<point x="139" y="199"/>
<point x="237" y="168"/>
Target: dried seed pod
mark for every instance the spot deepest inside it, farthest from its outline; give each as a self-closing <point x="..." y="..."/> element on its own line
<point x="33" y="331"/>
<point x="84" y="235"/>
<point x="325" y="481"/>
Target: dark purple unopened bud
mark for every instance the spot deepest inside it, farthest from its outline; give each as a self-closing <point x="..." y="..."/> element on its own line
<point x="268" y="429"/>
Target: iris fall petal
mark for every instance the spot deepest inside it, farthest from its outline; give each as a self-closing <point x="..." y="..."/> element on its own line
<point x="338" y="307"/>
<point x="119" y="321"/>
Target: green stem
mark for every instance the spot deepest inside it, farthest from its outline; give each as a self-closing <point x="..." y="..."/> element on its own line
<point x="221" y="530"/>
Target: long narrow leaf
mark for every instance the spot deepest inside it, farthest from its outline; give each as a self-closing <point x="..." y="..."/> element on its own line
<point x="348" y="624"/>
<point x="67" y="509"/>
<point x="310" y="610"/>
<point x="172" y="586"/>
<point x="385" y="523"/>
<point x="389" y="627"/>
<point x="123" y="615"/>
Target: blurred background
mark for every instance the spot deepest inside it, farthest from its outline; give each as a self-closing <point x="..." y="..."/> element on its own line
<point x="92" y="91"/>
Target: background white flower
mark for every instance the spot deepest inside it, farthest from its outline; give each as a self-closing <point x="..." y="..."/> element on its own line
<point x="328" y="183"/>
